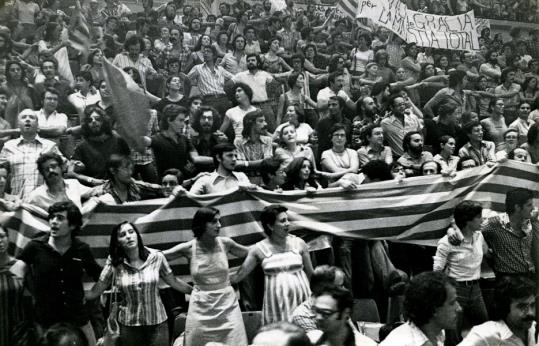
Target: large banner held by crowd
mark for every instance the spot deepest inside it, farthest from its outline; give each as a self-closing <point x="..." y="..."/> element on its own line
<point x="416" y="210"/>
<point x="427" y="30"/>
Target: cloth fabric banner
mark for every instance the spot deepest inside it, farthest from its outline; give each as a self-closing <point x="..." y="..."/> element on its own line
<point x="427" y="30"/>
<point x="416" y="210"/>
<point x="131" y="106"/>
<point x="348" y="7"/>
<point x="64" y="70"/>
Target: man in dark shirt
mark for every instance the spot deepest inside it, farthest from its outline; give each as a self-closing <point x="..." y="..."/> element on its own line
<point x="99" y="144"/>
<point x="335" y="107"/>
<point x="444" y="124"/>
<point x="55" y="265"/>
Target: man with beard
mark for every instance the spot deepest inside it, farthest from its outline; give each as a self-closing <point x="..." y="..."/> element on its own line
<point x="398" y="123"/>
<point x="255" y="147"/>
<point x="413" y="156"/>
<point x="512" y="318"/>
<point x="206" y="124"/>
<point x="483" y="152"/>
<point x="21" y="154"/>
<point x="336" y="83"/>
<point x="56" y="188"/>
<point x="99" y="142"/>
<point x="491" y="69"/>
<point x="49" y="68"/>
<point x="258" y="79"/>
<point x="430" y="301"/>
<point x="367" y="115"/>
<point x="179" y="51"/>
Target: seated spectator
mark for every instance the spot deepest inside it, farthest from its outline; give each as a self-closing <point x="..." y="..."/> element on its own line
<point x="294" y="115"/>
<point x="290" y="149"/>
<point x="300" y="175"/>
<point x="63" y="334"/>
<point x="513" y="316"/>
<point x="121" y="187"/>
<point x="338" y="160"/>
<point x="510" y="142"/>
<point x="413" y="156"/>
<point x="8" y="202"/>
<point x="448" y="162"/>
<point x="335" y="115"/>
<point x="52" y="125"/>
<point x="532" y="144"/>
<point x="509" y="86"/>
<point x="445" y="124"/>
<point x="522" y="123"/>
<point x="431" y="305"/>
<point x="85" y="96"/>
<point x="373" y="146"/>
<point x="98" y="144"/>
<point x="205" y="122"/>
<point x="281" y="334"/>
<point x="466" y="162"/>
<point x="430" y="167"/>
<point x="519" y="154"/>
<point x="333" y="308"/>
<point x="483" y="152"/>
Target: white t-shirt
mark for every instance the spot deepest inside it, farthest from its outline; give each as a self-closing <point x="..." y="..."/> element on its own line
<point x="303" y="131"/>
<point x="236" y="115"/>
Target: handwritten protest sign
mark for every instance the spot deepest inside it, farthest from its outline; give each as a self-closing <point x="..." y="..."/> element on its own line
<point x="427" y="30"/>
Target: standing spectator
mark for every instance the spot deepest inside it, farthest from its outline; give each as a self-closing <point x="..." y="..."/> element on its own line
<point x="495" y="125"/>
<point x="296" y="96"/>
<point x="25" y="12"/>
<point x="530" y="90"/>
<point x="483" y="152"/>
<point x="336" y="83"/>
<point x="522" y="123"/>
<point x="49" y="69"/>
<point x="286" y="263"/>
<point x="446" y="123"/>
<point x="52" y="125"/>
<point x="463" y="263"/>
<point x="132" y="57"/>
<point x="210" y="80"/>
<point x="213" y="298"/>
<point x="508" y="86"/>
<point x="21" y="94"/>
<point x="234" y="116"/>
<point x="335" y="107"/>
<point x="491" y="69"/>
<point x="431" y="304"/>
<point x="55" y="264"/>
<point x="458" y="81"/>
<point x="255" y="147"/>
<point x="21" y="154"/>
<point x="84" y="96"/>
<point x="532" y="144"/>
<point x="398" y="123"/>
<point x="136" y="270"/>
<point x="235" y="61"/>
<point x="361" y="55"/>
<point x="409" y="62"/>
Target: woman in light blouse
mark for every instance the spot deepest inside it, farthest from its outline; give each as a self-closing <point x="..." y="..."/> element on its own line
<point x="137" y="270"/>
<point x="339" y="160"/>
<point x="463" y="262"/>
<point x="445" y="158"/>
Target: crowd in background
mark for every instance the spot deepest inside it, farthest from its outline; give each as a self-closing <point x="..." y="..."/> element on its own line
<point x="253" y="98"/>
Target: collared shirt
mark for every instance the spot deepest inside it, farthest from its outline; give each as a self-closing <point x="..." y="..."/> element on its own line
<point x="512" y="250"/>
<point x="21" y="155"/>
<point x="136" y="191"/>
<point x="449" y="165"/>
<point x="74" y="191"/>
<point x="522" y="126"/>
<point x="445" y="94"/>
<point x="252" y="151"/>
<point x="367" y="153"/>
<point x="80" y="102"/>
<point x="57" y="280"/>
<point x="482" y="156"/>
<point x="215" y="183"/>
<point x="54" y="119"/>
<point x="304" y="317"/>
<point x="497" y="333"/>
<point x="322" y="100"/>
<point x="232" y="64"/>
<point x="209" y="82"/>
<point x="460" y="262"/>
<point x="394" y="130"/>
<point x="409" y="334"/>
<point x="257" y="82"/>
<point x="142" y="64"/>
<point x="414" y="163"/>
<point x="510" y="103"/>
<point x="140" y="287"/>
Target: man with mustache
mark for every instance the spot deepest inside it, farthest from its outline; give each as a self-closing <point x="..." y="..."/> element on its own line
<point x="413" y="156"/>
<point x="491" y="69"/>
<point x="513" y="316"/>
<point x="56" y="188"/>
<point x="483" y="152"/>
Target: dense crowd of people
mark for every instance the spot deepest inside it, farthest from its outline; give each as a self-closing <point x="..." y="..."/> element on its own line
<point x="257" y="99"/>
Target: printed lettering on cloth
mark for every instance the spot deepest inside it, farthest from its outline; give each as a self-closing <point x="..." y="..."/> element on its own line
<point x="131" y="106"/>
<point x="427" y="30"/>
<point x="417" y="210"/>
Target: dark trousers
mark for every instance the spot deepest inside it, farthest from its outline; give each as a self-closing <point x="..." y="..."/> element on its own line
<point x="156" y="335"/>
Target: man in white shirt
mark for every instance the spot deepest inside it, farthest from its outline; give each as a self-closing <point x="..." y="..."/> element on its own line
<point x="52" y="124"/>
<point x="84" y="97"/>
<point x="431" y="304"/>
<point x="513" y="316"/>
<point x="223" y="178"/>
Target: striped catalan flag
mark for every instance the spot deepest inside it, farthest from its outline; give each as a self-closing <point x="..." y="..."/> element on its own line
<point x="416" y="210"/>
<point x="348" y="7"/>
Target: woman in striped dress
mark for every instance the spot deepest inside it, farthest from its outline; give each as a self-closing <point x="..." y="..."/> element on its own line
<point x="286" y="264"/>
